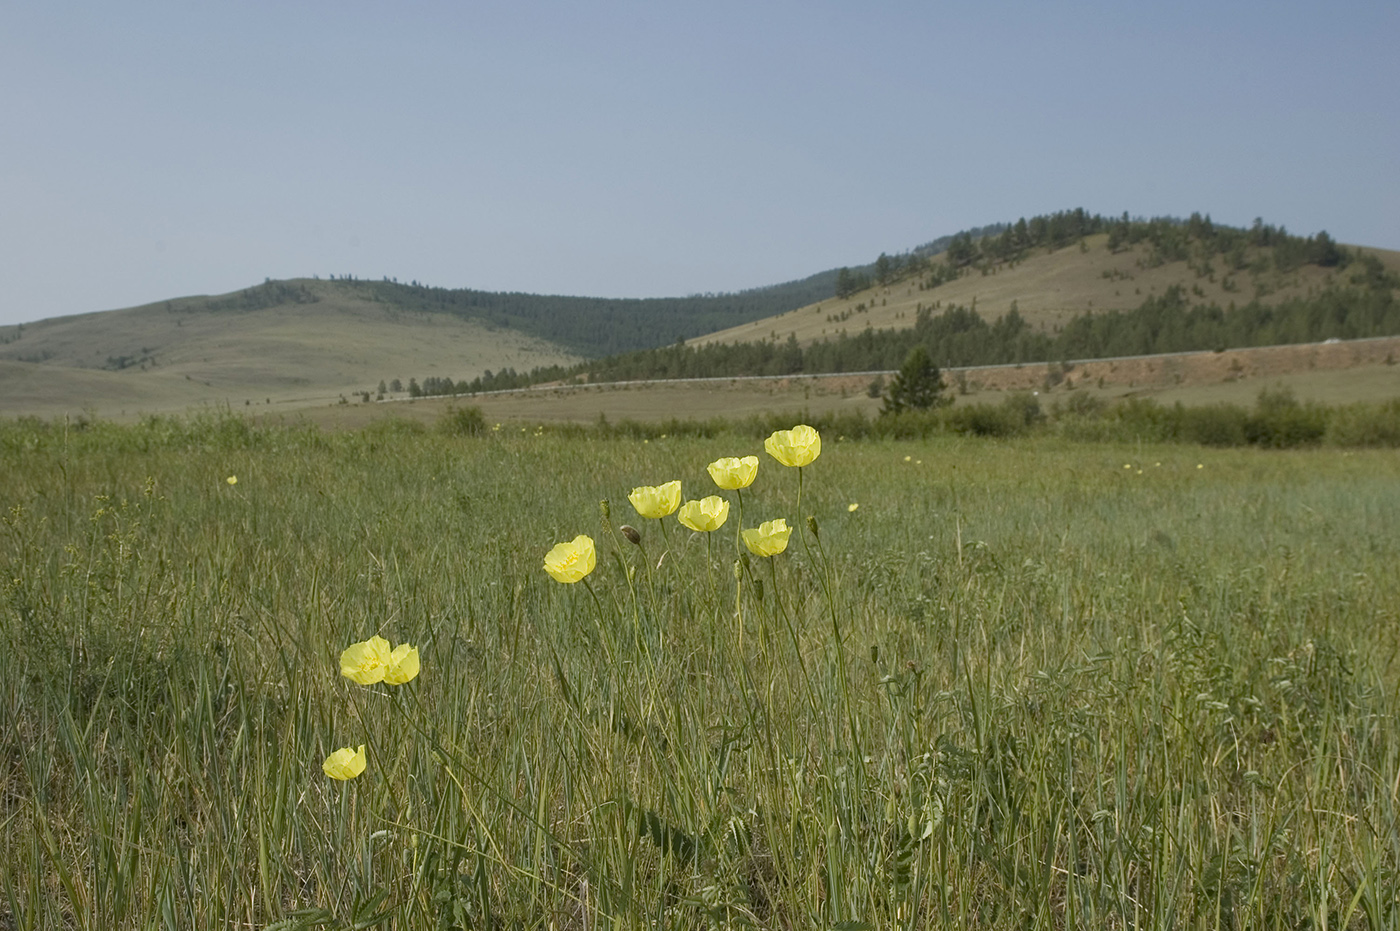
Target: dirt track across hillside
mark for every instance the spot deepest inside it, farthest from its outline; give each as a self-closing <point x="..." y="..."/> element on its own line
<point x="1193" y="368"/>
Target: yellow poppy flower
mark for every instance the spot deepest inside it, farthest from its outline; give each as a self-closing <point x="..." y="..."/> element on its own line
<point x="769" y="538"/>
<point x="403" y="665"/>
<point x="232" y="479"/>
<point x="345" y="763"/>
<point x="706" y="514"/>
<point x="732" y="473"/>
<point x="656" y="501"/>
<point x="367" y="661"/>
<point x="570" y="562"/>
<point x="852" y="507"/>
<point x="799" y="446"/>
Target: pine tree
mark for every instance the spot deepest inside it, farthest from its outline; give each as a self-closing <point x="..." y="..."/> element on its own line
<point x="917" y="387"/>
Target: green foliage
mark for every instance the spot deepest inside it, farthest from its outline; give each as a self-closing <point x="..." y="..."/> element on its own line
<point x="918" y="386"/>
<point x="462" y="421"/>
<point x="268" y="294"/>
<point x="599" y="326"/>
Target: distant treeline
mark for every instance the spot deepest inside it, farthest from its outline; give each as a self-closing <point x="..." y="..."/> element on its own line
<point x="1196" y="240"/>
<point x="959" y="337"/>
<point x="597" y="326"/>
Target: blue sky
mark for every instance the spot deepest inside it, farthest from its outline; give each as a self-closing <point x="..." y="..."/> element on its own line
<point x="151" y="150"/>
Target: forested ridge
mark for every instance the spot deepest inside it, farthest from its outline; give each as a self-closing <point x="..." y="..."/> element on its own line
<point x="599" y="326"/>
<point x="1362" y="305"/>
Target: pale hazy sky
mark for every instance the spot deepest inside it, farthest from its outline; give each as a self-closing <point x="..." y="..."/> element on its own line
<point x="152" y="149"/>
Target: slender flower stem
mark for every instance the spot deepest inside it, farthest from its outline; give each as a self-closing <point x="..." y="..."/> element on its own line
<point x="792" y="633"/>
<point x="739" y="526"/>
<point x="838" y="643"/>
<point x="602" y="629"/>
<point x="710" y="570"/>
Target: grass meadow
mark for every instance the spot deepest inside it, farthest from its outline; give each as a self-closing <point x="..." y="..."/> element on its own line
<point x="1020" y="684"/>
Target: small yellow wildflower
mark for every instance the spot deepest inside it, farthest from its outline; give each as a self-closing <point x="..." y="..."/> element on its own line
<point x="367" y="661"/>
<point x="232" y="479"/>
<point x="403" y="665"/>
<point x="570" y="562"/>
<point x="769" y="538"/>
<point x="851" y="508"/>
<point x="345" y="763"/>
<point x="733" y="473"/>
<point x="656" y="501"/>
<point x="799" y="446"/>
<point x="706" y="514"/>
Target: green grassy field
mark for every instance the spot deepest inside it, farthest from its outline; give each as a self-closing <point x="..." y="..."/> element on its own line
<point x="1005" y="685"/>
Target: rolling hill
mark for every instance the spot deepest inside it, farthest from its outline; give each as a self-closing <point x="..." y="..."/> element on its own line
<point x="1048" y="288"/>
<point x="288" y="345"/>
<point x="310" y="342"/>
<point x="284" y="344"/>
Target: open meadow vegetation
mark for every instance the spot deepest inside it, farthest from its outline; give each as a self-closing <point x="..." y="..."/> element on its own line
<point x="979" y="682"/>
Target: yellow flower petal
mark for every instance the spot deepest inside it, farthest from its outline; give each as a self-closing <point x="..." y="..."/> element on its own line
<point x="769" y="538"/>
<point x="345" y="763"/>
<point x="656" y="501"/>
<point x="232" y="479"/>
<point x="570" y="562"/>
<point x="799" y="446"/>
<point x="851" y="508"/>
<point x="366" y="661"/>
<point x="403" y="665"/>
<point x="706" y="514"/>
<point x="732" y="473"/>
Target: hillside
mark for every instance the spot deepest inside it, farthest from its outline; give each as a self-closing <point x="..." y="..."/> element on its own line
<point x="308" y="341"/>
<point x="282" y="343"/>
<point x="1063" y="286"/>
<point x="1048" y="288"/>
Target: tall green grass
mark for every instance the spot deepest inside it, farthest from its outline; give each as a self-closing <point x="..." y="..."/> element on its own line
<point x="1024" y="684"/>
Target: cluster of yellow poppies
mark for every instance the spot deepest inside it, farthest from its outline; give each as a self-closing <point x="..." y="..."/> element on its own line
<point x="572" y="561"/>
<point x="368" y="662"/>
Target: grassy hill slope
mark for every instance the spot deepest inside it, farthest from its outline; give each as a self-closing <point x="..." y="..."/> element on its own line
<point x="1047" y="288"/>
<point x="311" y="342"/>
<point x="303" y="341"/>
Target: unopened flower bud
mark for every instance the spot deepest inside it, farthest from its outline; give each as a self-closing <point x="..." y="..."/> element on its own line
<point x="812" y="525"/>
<point x="605" y="508"/>
<point x="631" y="534"/>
